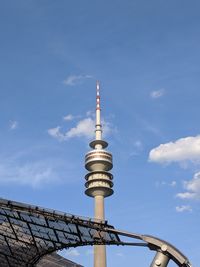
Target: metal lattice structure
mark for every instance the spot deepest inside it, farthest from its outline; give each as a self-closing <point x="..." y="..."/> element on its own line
<point x="27" y="233"/>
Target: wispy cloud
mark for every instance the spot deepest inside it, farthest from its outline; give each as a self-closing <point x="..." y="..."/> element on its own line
<point x="138" y="144"/>
<point x="72" y="252"/>
<point x="107" y="128"/>
<point x="13" y="125"/>
<point x="184" y="208"/>
<point x="184" y="149"/>
<point x="90" y="113"/>
<point x="164" y="183"/>
<point x="34" y="174"/>
<point x="173" y="183"/>
<point x="192" y="188"/>
<point x="68" y="117"/>
<point x="137" y="148"/>
<point x="157" y="93"/>
<point x="149" y="127"/>
<point x="56" y="133"/>
<point x="75" y="79"/>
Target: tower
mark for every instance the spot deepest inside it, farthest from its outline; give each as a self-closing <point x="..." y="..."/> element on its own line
<point x="99" y="183"/>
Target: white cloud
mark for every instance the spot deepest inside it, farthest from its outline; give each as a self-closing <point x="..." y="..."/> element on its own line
<point x="13" y="125"/>
<point x="84" y="128"/>
<point x="74" y="79"/>
<point x="34" y="174"/>
<point x="56" y="133"/>
<point x="73" y="252"/>
<point x="184" y="149"/>
<point x="157" y="93"/>
<point x="68" y="117"/>
<point x="183" y="208"/>
<point x="192" y="188"/>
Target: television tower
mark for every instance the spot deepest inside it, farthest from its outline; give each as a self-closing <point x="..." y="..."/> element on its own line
<point x="99" y="183"/>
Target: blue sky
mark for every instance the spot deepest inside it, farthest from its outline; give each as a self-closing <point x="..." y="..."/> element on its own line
<point x="146" y="56"/>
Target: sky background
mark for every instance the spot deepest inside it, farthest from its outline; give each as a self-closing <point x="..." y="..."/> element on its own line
<point x="146" y="56"/>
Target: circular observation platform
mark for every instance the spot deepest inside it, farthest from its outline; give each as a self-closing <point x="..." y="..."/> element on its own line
<point x="103" y="143"/>
<point x="99" y="184"/>
<point x="100" y="191"/>
<point x="98" y="179"/>
<point x="98" y="160"/>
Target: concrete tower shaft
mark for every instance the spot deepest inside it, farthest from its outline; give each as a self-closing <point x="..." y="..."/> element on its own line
<point x="99" y="183"/>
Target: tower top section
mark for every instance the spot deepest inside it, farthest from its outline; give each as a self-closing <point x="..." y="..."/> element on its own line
<point x="98" y="130"/>
<point x="98" y="96"/>
<point x="98" y="142"/>
<point x="98" y="161"/>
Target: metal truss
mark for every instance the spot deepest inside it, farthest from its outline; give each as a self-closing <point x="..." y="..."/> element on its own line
<point x="164" y="250"/>
<point x="28" y="232"/>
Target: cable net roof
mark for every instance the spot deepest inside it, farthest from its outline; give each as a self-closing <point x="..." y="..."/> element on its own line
<point x="29" y="232"/>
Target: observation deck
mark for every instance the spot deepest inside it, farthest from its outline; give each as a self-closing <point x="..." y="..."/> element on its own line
<point x="98" y="159"/>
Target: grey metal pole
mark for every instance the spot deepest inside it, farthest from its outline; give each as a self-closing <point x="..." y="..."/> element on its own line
<point x="160" y="260"/>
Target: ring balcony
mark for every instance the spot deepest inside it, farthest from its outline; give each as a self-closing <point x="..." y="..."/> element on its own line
<point x="99" y="191"/>
<point x="98" y="160"/>
<point x="95" y="179"/>
<point x="103" y="143"/>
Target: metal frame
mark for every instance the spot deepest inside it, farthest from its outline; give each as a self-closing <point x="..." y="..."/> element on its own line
<point x="164" y="250"/>
<point x="28" y="232"/>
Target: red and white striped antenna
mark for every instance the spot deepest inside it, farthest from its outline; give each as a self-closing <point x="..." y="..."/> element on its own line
<point x="98" y="95"/>
<point x="98" y="114"/>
